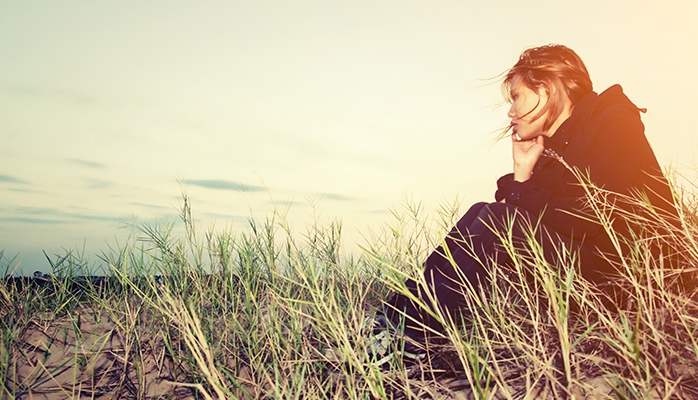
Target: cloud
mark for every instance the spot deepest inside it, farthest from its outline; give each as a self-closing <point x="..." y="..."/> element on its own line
<point x="30" y="220"/>
<point x="25" y="190"/>
<point x="148" y="205"/>
<point x="224" y="185"/>
<point x="337" y="197"/>
<point x="85" y="163"/>
<point x="11" y="179"/>
<point x="61" y="216"/>
<point x="95" y="184"/>
<point x="67" y="95"/>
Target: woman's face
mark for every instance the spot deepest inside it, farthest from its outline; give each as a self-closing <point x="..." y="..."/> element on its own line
<point x="525" y="106"/>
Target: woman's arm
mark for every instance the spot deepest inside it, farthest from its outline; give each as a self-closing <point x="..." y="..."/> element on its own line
<point x="615" y="156"/>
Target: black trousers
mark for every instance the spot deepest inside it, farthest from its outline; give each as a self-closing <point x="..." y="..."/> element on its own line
<point x="474" y="244"/>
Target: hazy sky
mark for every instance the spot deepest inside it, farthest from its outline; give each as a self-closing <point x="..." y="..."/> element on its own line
<point x="105" y="106"/>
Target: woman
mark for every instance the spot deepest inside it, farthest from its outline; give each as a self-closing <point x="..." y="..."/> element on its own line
<point x="559" y="125"/>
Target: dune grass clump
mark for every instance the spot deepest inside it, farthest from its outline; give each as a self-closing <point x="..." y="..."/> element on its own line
<point x="272" y="313"/>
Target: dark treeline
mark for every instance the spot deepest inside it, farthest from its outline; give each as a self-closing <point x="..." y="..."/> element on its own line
<point x="78" y="285"/>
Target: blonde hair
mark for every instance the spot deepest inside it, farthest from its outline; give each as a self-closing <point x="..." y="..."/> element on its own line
<point x="554" y="68"/>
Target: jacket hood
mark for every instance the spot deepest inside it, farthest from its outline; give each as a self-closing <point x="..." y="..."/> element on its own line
<point x="589" y="105"/>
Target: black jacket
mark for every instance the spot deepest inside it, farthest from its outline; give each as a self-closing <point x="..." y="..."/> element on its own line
<point x="604" y="138"/>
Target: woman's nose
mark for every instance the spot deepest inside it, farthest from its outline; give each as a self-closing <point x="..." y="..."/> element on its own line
<point x="511" y="114"/>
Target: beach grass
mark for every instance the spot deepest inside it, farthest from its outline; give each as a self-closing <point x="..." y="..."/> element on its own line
<point x="275" y="314"/>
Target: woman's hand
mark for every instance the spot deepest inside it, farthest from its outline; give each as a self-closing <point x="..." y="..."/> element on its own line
<point x="526" y="153"/>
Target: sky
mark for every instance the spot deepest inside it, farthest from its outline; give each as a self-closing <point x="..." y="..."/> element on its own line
<point x="109" y="110"/>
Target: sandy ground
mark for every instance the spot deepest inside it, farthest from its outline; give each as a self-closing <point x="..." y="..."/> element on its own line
<point x="93" y="357"/>
<point x="85" y="358"/>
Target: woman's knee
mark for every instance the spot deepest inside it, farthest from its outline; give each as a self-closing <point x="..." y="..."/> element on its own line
<point x="471" y="215"/>
<point x="500" y="217"/>
<point x="499" y="210"/>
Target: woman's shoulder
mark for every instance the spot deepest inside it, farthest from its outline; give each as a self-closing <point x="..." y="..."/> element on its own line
<point x="615" y="123"/>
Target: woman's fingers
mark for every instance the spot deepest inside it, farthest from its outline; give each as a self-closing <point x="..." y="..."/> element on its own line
<point x="526" y="154"/>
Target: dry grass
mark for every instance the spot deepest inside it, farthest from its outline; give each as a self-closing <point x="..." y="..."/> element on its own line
<point x="255" y="315"/>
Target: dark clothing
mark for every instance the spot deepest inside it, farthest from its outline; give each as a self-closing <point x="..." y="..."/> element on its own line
<point x="603" y="139"/>
<point x="473" y="245"/>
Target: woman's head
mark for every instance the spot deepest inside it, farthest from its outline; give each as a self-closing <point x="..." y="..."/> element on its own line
<point x="556" y="74"/>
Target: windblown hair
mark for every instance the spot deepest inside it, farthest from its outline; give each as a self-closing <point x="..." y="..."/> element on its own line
<point x="556" y="69"/>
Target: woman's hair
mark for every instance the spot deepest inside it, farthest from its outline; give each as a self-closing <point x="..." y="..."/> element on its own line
<point x="556" y="69"/>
